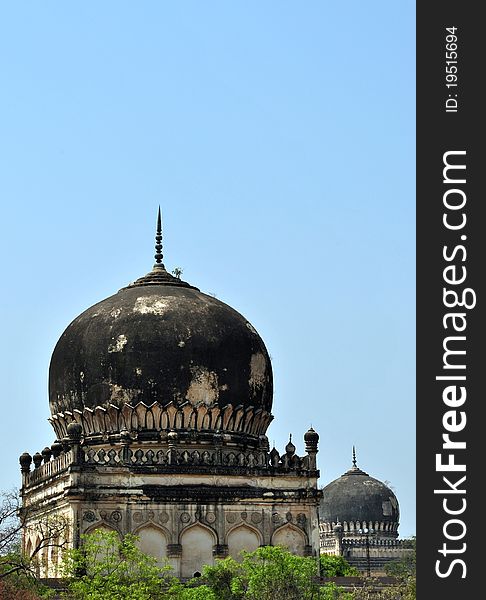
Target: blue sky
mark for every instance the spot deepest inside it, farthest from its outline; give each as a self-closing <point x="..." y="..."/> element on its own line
<point x="279" y="140"/>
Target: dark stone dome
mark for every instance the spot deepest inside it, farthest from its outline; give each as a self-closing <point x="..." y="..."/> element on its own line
<point x="161" y="341"/>
<point x="311" y="436"/>
<point x="355" y="497"/>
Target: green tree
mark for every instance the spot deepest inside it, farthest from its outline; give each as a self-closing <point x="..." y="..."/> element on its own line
<point x="275" y="573"/>
<point x="18" y="573"/>
<point x="227" y="579"/>
<point x="269" y="573"/>
<point x="14" y="518"/>
<point x="109" y="568"/>
<point x="19" y="586"/>
<point x="186" y="592"/>
<point x="336" y="566"/>
<point x="405" y="571"/>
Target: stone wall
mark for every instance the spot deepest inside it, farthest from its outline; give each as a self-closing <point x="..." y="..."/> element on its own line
<point x="189" y="504"/>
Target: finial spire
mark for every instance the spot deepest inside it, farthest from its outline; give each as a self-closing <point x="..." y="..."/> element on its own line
<point x="354" y="457"/>
<point x="158" y="275"/>
<point x="158" y="242"/>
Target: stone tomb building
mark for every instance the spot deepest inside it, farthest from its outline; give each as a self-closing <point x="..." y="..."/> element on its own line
<point x="358" y="519"/>
<point x="160" y="398"/>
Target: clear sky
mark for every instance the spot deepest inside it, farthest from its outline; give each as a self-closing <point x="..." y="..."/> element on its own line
<point x="279" y="139"/>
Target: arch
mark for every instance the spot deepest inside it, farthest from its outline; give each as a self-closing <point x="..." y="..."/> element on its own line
<point x="105" y="549"/>
<point x="152" y="540"/>
<point x="197" y="548"/>
<point x="288" y="536"/>
<point x="242" y="537"/>
<point x="54" y="558"/>
<point x="100" y="526"/>
<point x="29" y="548"/>
<point x="38" y="557"/>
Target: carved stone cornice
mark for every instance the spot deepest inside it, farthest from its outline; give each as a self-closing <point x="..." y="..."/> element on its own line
<point x="156" y="417"/>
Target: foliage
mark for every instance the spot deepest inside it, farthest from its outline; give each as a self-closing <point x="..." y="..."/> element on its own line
<point x="17" y="571"/>
<point x="226" y="579"/>
<point x="108" y="568"/>
<point x="10" y="524"/>
<point x="8" y="590"/>
<point x="330" y="591"/>
<point x="23" y="586"/>
<point x="268" y="573"/>
<point x="336" y="566"/>
<point x="274" y="572"/>
<point x="405" y="567"/>
<point x="185" y="592"/>
<point x="371" y="590"/>
<point x="405" y="571"/>
<point x="47" y="531"/>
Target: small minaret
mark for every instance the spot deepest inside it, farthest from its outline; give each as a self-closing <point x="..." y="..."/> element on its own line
<point x="311" y="439"/>
<point x="338" y="531"/>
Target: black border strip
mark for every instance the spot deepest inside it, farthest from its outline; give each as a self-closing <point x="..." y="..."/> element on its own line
<point x="443" y="127"/>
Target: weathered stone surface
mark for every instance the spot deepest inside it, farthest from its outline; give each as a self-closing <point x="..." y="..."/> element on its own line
<point x="164" y="344"/>
<point x="160" y="398"/>
<point x="358" y="499"/>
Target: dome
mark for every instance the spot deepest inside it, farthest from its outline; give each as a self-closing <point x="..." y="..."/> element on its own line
<point x="160" y="346"/>
<point x="358" y="499"/>
<point x="311" y="436"/>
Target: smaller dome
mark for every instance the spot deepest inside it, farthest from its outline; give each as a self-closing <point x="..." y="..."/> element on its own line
<point x="311" y="436"/>
<point x="25" y="462"/>
<point x="360" y="501"/>
<point x="74" y="431"/>
<point x="338" y="528"/>
<point x="290" y="448"/>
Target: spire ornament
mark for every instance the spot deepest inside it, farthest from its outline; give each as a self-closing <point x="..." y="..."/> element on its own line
<point x="158" y="243"/>
<point x="158" y="275"/>
<point x="355" y="470"/>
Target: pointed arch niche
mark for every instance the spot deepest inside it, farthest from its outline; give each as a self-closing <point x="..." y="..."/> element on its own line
<point x="291" y="538"/>
<point x="241" y="538"/>
<point x="103" y="527"/>
<point x="152" y="540"/>
<point x="197" y="549"/>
